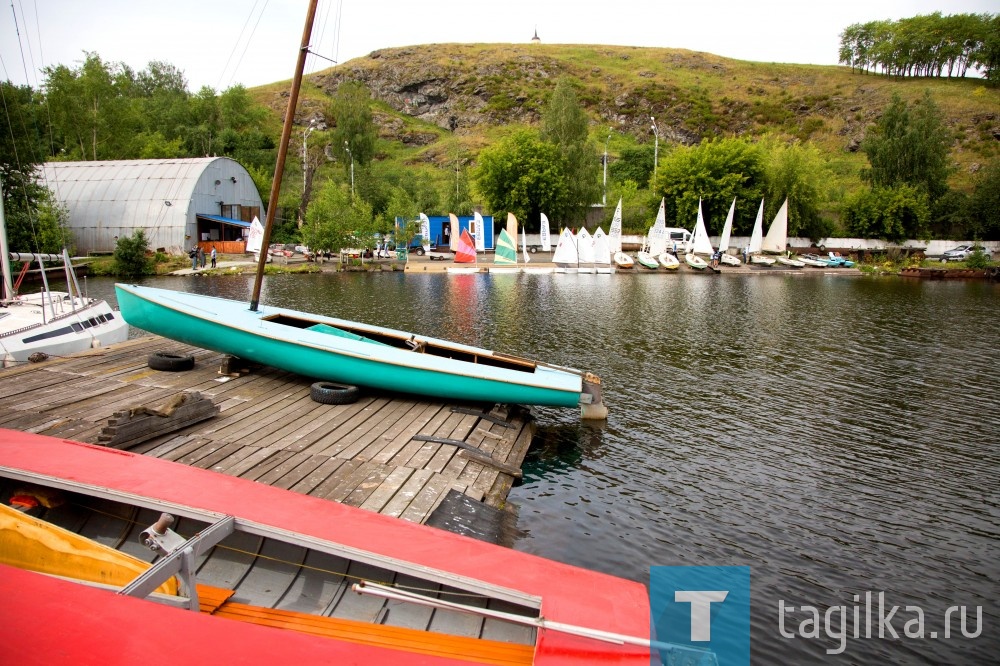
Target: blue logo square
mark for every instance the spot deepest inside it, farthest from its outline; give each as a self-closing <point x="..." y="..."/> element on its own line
<point x="701" y="615"/>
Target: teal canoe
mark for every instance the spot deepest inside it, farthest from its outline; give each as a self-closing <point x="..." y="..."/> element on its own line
<point x="331" y="349"/>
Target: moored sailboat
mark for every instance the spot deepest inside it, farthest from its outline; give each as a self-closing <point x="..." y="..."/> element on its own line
<point x="50" y="323"/>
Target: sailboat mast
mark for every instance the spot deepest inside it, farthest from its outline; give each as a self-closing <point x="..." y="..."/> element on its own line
<point x="8" y="283"/>
<point x="286" y="134"/>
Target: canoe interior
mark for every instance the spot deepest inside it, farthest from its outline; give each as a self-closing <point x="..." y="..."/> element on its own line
<point x="268" y="572"/>
<point x="403" y="342"/>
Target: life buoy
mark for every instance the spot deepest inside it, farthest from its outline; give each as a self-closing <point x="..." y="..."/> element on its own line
<point x="329" y="393"/>
<point x="170" y="362"/>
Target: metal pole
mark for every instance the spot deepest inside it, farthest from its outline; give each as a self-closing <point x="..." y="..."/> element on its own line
<point x="305" y="153"/>
<point x="604" y="200"/>
<point x="286" y="133"/>
<point x="656" y="146"/>
<point x="348" y="149"/>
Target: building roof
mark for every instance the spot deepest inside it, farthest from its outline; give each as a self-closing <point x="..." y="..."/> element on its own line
<point x="126" y="189"/>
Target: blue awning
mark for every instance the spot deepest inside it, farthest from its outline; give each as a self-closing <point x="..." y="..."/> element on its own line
<point x="223" y="220"/>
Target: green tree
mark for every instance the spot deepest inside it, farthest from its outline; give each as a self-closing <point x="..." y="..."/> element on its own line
<point x="893" y="214"/>
<point x="984" y="203"/>
<point x="22" y="149"/>
<point x="353" y="135"/>
<point x="564" y="124"/>
<point x="634" y="163"/>
<point x="798" y="172"/>
<point x="523" y="175"/>
<point x="714" y="172"/>
<point x="130" y="256"/>
<point x="636" y="206"/>
<point x="336" y="220"/>
<point x="908" y="146"/>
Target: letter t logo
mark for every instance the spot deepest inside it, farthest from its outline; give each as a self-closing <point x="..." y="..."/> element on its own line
<point x="701" y="610"/>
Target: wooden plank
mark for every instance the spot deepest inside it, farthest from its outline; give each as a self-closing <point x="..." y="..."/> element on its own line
<point x="392" y="483"/>
<point x="326" y="469"/>
<point x="427" y="499"/>
<point x="410" y="488"/>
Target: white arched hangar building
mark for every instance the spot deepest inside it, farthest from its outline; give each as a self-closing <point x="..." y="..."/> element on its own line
<point x="177" y="202"/>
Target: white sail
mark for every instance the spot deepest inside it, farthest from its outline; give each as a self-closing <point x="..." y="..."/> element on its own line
<point x="453" y="232"/>
<point x="757" y="234"/>
<point x="661" y="216"/>
<point x="777" y="235"/>
<point x="256" y="236"/>
<point x="615" y="233"/>
<point x="544" y="233"/>
<point x="602" y="248"/>
<point x="480" y="234"/>
<point x="727" y="230"/>
<point x="657" y="240"/>
<point x="700" y="242"/>
<point x="425" y="232"/>
<point x="524" y="247"/>
<point x="585" y="246"/>
<point x="566" y="253"/>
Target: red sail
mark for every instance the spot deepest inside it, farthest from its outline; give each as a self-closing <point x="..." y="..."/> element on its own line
<point x="466" y="252"/>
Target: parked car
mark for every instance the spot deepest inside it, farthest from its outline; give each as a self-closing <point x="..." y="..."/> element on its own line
<point x="962" y="252"/>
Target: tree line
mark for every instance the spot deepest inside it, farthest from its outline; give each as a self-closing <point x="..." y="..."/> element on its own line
<point x="352" y="190"/>
<point x="925" y="45"/>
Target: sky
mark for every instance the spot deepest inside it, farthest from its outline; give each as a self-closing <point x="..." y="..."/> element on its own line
<point x="220" y="43"/>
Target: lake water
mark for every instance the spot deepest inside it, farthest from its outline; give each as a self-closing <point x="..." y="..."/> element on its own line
<point x="839" y="435"/>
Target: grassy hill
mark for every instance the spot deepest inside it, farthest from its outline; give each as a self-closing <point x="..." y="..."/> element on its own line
<point x="483" y="90"/>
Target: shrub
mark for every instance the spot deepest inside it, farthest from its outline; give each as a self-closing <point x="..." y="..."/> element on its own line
<point x="130" y="259"/>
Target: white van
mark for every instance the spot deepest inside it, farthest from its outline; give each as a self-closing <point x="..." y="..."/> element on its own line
<point x="678" y="240"/>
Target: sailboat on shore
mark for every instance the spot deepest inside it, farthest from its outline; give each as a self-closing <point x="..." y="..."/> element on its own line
<point x="337" y="350"/>
<point x="727" y="230"/>
<point x="756" y="240"/>
<point x="700" y="244"/>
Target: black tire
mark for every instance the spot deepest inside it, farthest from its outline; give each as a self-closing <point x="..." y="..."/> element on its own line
<point x="170" y="362"/>
<point x="328" y="393"/>
<point x="420" y="251"/>
<point x="532" y="249"/>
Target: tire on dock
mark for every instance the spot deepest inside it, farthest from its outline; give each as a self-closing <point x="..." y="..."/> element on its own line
<point x="170" y="362"/>
<point x="330" y="393"/>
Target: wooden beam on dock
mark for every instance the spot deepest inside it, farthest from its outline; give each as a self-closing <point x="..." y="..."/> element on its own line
<point x="391" y="453"/>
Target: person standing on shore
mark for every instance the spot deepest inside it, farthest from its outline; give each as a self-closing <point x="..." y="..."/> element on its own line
<point x="213" y="256"/>
<point x="201" y="257"/>
<point x="193" y="253"/>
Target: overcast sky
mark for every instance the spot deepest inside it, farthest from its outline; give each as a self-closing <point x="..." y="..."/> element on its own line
<point x="219" y="43"/>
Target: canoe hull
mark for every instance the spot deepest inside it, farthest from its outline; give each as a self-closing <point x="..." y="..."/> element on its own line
<point x="266" y="337"/>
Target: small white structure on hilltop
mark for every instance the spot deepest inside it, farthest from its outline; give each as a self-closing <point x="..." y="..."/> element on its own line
<point x="178" y="202"/>
<point x="535" y="39"/>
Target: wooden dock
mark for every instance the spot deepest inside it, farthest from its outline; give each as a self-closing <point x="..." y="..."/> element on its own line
<point x="393" y="454"/>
